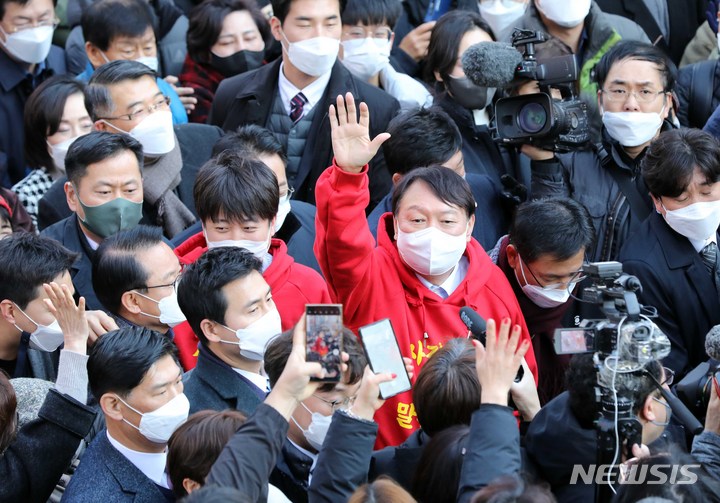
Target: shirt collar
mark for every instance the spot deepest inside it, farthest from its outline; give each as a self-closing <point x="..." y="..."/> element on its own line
<point x="448" y="286"/>
<point x="260" y="381"/>
<point x="699" y="245"/>
<point x="313" y="92"/>
<point x="152" y="464"/>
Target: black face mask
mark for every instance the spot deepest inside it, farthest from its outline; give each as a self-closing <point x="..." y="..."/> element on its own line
<point x="467" y="94"/>
<point x="240" y="62"/>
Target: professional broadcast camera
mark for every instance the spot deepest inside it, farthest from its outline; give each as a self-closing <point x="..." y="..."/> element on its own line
<point x="539" y="119"/>
<point x="695" y="388"/>
<point x="631" y="339"/>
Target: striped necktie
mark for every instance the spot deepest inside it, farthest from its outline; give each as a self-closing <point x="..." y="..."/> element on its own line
<point x="296" y="107"/>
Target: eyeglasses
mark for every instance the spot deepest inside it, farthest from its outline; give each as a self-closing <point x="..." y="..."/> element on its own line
<point x="358" y="32"/>
<point x="161" y="104"/>
<point x="54" y="22"/>
<point x="174" y="284"/>
<point x="669" y="377"/>
<point x="621" y="95"/>
<point x="343" y="404"/>
<point x="576" y="277"/>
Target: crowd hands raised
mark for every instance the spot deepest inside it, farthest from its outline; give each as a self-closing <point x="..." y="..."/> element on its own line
<point x="185" y="177"/>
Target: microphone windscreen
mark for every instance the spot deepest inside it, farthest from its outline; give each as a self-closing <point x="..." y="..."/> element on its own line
<point x="491" y="64"/>
<point x="474" y="322"/>
<point x="712" y="343"/>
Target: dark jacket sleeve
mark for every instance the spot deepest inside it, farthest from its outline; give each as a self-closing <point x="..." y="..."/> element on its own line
<point x="548" y="179"/>
<point x="493" y="449"/>
<point x="32" y="465"/>
<point x="344" y="460"/>
<point x="706" y="449"/>
<point x="712" y="126"/>
<point x="248" y="459"/>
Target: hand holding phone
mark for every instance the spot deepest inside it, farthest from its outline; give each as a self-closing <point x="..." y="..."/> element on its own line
<point x="383" y="354"/>
<point x="324" y="339"/>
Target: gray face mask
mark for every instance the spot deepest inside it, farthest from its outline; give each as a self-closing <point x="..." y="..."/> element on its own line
<point x="467" y="94"/>
<point x="109" y="218"/>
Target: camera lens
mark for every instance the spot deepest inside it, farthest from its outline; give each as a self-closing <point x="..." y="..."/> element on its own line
<point x="532" y="118"/>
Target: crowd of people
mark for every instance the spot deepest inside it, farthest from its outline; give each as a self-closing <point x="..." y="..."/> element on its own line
<point x="179" y="179"/>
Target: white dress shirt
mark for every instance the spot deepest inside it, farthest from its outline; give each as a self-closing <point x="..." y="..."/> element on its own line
<point x="313" y="92"/>
<point x="152" y="464"/>
<point x="258" y="380"/>
<point x="452" y="282"/>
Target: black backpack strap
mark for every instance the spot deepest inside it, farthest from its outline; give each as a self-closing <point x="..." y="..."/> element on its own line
<point x="701" y="93"/>
<point x="627" y="187"/>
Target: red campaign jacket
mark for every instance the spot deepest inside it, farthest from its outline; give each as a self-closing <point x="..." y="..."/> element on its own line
<point x="293" y="285"/>
<point x="374" y="283"/>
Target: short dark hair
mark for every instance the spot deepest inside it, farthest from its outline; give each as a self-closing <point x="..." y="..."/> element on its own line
<point x="8" y="409"/>
<point x="206" y="21"/>
<point x="197" y="443"/>
<point x="120" y="359"/>
<point x="514" y="488"/>
<point x="631" y="49"/>
<point x="253" y="139"/>
<point x="237" y="187"/>
<point x="368" y="12"/>
<point x="440" y="465"/>
<point x="558" y="227"/>
<point x="581" y="379"/>
<point x="117" y="270"/>
<point x="200" y="292"/>
<point x="445" y="39"/>
<point x="282" y="7"/>
<point x="98" y="101"/>
<point x="43" y="112"/>
<point x="447" y="390"/>
<point x="671" y="160"/>
<point x="19" y="2"/>
<point x="105" y="20"/>
<point x="29" y="261"/>
<point x="95" y="147"/>
<point x="420" y="138"/>
<point x="278" y="352"/>
<point x="447" y="185"/>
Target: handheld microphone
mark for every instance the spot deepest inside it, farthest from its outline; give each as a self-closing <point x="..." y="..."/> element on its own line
<point x="682" y="413"/>
<point x="474" y="322"/>
<point x="491" y="64"/>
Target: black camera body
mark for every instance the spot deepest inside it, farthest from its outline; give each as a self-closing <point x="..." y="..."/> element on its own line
<point x="696" y="387"/>
<point x="539" y="119"/>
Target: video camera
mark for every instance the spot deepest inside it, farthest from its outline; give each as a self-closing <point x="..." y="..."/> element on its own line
<point x="539" y="119"/>
<point x="626" y="335"/>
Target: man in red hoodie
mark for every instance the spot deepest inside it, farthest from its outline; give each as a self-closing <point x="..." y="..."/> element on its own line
<point x="426" y="265"/>
<point x="237" y="197"/>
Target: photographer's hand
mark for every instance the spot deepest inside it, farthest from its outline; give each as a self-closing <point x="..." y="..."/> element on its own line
<point x="536" y="153"/>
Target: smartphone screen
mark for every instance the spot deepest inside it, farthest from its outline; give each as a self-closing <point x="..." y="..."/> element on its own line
<point x="383" y="354"/>
<point x="323" y="342"/>
<point x="570" y="341"/>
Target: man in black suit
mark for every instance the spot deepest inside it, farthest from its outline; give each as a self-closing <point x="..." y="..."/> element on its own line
<point x="105" y="193"/>
<point x="229" y="307"/>
<point x="291" y="96"/>
<point x="674" y="252"/>
<point x="671" y="22"/>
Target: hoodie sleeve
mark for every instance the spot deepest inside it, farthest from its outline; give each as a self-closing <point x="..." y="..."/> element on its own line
<point x="344" y="246"/>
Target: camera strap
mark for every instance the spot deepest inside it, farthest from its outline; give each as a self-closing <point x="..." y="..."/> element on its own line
<point x="625" y="183"/>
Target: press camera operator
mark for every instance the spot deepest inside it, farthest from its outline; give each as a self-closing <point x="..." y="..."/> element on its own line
<point x="635" y="81"/>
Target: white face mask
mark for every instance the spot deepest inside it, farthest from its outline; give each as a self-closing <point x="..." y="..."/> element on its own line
<point x="283" y="211"/>
<point x="158" y="425"/>
<point x="314" y="56"/>
<point x="257" y="248"/>
<point x="149" y="61"/>
<point x="500" y="14"/>
<point x="45" y="338"/>
<point x="697" y="221"/>
<point x="59" y="151"/>
<point x="542" y="297"/>
<point x="364" y="57"/>
<point x="632" y="129"/>
<point x="155" y="133"/>
<point x="430" y="252"/>
<point x="170" y="312"/>
<point x="565" y="13"/>
<point x="31" y="45"/>
<point x="257" y="335"/>
<point x="317" y="430"/>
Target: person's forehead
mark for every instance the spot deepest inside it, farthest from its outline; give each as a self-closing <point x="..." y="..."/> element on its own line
<point x="240" y="291"/>
<point x="419" y="196"/>
<point x="123" y="165"/>
<point x="313" y="9"/>
<point x="132" y="90"/>
<point x="163" y="371"/>
<point x="149" y="35"/>
<point x="634" y="71"/>
<point x="32" y="7"/>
